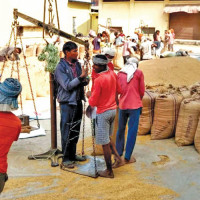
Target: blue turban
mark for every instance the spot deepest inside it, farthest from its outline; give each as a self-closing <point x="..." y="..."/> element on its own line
<point x="9" y="91"/>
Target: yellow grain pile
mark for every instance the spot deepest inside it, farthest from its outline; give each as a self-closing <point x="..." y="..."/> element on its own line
<point x="176" y="71"/>
<point x="127" y="184"/>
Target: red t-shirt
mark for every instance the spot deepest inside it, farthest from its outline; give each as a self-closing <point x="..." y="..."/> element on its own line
<point x="131" y="93"/>
<point x="104" y="92"/>
<point x="95" y="75"/>
<point x="10" y="127"/>
<point x="121" y="34"/>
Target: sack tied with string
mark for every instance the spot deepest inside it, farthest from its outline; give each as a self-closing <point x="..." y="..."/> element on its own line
<point x="197" y="137"/>
<point x="165" y="116"/>
<point x="187" y="122"/>
<point x="146" y="118"/>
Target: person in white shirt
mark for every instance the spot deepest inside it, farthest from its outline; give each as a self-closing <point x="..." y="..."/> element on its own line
<point x="145" y="48"/>
<point x="127" y="50"/>
<point x="119" y="41"/>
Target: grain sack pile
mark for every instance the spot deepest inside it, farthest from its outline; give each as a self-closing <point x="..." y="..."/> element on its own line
<point x="197" y="137"/>
<point x="31" y="50"/>
<point x="195" y="89"/>
<point x="118" y="59"/>
<point x="146" y="118"/>
<point x="165" y="116"/>
<point x="187" y="121"/>
<point x="184" y="91"/>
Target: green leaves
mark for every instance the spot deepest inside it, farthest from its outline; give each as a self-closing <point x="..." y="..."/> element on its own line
<point x="50" y="54"/>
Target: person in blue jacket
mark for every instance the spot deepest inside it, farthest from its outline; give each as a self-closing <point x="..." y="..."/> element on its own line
<point x="71" y="79"/>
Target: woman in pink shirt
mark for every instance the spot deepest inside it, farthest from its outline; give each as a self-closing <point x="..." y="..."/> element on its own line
<point x="132" y="87"/>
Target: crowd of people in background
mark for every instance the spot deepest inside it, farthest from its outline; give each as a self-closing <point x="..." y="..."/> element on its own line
<point x="144" y="47"/>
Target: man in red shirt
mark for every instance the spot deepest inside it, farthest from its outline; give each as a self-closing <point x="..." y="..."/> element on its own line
<point x="10" y="125"/>
<point x="132" y="87"/>
<point x="104" y="98"/>
<point x="110" y="54"/>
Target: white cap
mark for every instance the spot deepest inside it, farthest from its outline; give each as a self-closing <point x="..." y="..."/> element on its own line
<point x="110" y="51"/>
<point x="92" y="33"/>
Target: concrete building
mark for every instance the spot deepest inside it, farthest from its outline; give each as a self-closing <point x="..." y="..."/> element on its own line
<point x="74" y="17"/>
<point x="148" y="16"/>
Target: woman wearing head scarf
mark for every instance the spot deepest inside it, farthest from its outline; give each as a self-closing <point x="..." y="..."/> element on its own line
<point x="10" y="125"/>
<point x="132" y="87"/>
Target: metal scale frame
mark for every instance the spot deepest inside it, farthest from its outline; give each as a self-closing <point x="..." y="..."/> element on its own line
<point x="54" y="153"/>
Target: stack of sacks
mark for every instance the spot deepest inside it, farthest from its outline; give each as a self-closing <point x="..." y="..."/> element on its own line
<point x="39" y="49"/>
<point x="118" y="59"/>
<point x="187" y="121"/>
<point x="42" y="83"/>
<point x="25" y="82"/>
<point x="31" y="50"/>
<point x="165" y="116"/>
<point x="146" y="118"/>
<point x="195" y="90"/>
<point x="81" y="52"/>
<point x="197" y="137"/>
<point x="184" y="91"/>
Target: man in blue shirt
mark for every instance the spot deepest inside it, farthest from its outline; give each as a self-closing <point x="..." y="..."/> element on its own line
<point x="71" y="79"/>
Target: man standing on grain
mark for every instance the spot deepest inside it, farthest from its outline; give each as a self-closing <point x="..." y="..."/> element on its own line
<point x="132" y="87"/>
<point x="104" y="98"/>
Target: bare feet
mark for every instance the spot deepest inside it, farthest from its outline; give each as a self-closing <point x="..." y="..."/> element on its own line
<point x="117" y="163"/>
<point x="106" y="174"/>
<point x="132" y="160"/>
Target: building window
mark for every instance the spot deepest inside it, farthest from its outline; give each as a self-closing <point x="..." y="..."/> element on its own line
<point x="115" y="28"/>
<point x="148" y="30"/>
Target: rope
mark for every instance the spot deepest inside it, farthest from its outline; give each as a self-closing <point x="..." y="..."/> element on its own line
<point x="57" y="14"/>
<point x="151" y="107"/>
<point x="4" y="62"/>
<point x="175" y="113"/>
<point x="44" y="17"/>
<point x="36" y="113"/>
<point x="83" y="137"/>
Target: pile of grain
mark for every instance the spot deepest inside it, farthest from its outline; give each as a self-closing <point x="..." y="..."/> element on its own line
<point x="176" y="71"/>
<point x="67" y="185"/>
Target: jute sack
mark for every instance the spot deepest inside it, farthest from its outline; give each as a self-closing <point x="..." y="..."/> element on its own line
<point x="195" y="89"/>
<point x="165" y="116"/>
<point x="42" y="83"/>
<point x="197" y="137"/>
<point x="39" y="49"/>
<point x="187" y="122"/>
<point x="81" y="52"/>
<point x="146" y="118"/>
<point x="184" y="91"/>
<point x="25" y="81"/>
<point x="118" y="59"/>
<point x="31" y="50"/>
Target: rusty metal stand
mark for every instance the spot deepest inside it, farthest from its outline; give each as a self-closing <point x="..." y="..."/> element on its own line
<point x="54" y="151"/>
